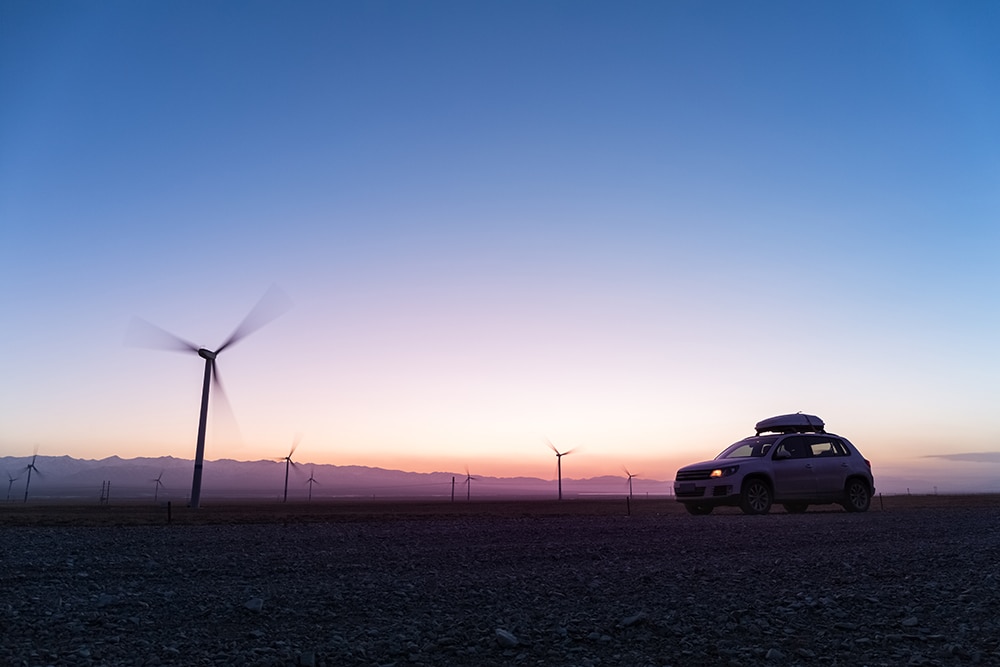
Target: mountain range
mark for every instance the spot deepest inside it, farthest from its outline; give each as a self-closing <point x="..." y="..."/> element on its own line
<point x="68" y="478"/>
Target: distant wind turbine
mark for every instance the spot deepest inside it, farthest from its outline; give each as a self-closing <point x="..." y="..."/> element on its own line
<point x="310" y="482"/>
<point x="29" y="468"/>
<point x="11" y="484"/>
<point x="559" y="456"/>
<point x="468" y="483"/>
<point x="288" y="463"/>
<point x="271" y="305"/>
<point x="156" y="489"/>
<point x="630" y="476"/>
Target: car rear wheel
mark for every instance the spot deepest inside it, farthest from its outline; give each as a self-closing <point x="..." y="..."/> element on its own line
<point x="796" y="508"/>
<point x="756" y="497"/>
<point x="858" y="498"/>
<point x="698" y="509"/>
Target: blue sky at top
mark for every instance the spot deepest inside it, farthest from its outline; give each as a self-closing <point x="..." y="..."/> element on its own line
<point x="635" y="226"/>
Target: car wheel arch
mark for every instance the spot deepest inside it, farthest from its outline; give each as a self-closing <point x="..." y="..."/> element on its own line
<point x="758" y="476"/>
<point x="847" y="503"/>
<point x="755" y="503"/>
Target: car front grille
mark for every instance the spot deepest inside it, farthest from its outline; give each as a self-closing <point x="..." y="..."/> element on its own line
<point x="689" y="475"/>
<point x="697" y="492"/>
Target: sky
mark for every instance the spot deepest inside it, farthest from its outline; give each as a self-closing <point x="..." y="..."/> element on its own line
<point x="631" y="228"/>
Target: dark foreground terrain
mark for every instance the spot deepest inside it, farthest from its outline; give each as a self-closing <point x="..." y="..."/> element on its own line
<point x="916" y="581"/>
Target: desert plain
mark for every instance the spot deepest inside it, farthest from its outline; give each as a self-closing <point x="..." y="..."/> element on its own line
<point x="585" y="582"/>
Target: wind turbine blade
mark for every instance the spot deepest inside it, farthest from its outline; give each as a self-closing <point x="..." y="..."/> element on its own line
<point x="295" y="443"/>
<point x="570" y="451"/>
<point x="221" y="405"/>
<point x="272" y="305"/>
<point x="551" y="446"/>
<point x="143" y="334"/>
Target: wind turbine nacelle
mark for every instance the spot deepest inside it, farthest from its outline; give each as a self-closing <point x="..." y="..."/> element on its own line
<point x="206" y="354"/>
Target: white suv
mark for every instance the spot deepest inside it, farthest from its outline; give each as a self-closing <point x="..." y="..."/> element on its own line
<point x="791" y="461"/>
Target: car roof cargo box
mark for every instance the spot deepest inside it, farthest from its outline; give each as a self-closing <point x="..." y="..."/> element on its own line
<point x="797" y="423"/>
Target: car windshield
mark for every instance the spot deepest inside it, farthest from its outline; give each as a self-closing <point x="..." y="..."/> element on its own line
<point x="748" y="447"/>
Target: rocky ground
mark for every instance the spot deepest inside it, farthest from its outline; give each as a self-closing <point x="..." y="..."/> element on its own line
<point x="916" y="586"/>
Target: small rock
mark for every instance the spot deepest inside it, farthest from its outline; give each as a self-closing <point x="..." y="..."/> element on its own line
<point x="632" y="620"/>
<point x="506" y="639"/>
<point x="254" y="604"/>
<point x="774" y="654"/>
<point x="909" y="621"/>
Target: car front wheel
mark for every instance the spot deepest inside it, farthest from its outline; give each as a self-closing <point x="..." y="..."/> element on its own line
<point x="857" y="496"/>
<point x="756" y="497"/>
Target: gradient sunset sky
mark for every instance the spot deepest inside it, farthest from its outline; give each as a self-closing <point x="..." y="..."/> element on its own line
<point x="635" y="228"/>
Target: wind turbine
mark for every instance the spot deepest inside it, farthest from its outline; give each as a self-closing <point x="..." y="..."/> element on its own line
<point x="310" y="482"/>
<point x="468" y="484"/>
<point x="11" y="484"/>
<point x="271" y="305"/>
<point x="559" y="456"/>
<point x="630" y="476"/>
<point x="288" y="463"/>
<point x="156" y="489"/>
<point x="29" y="468"/>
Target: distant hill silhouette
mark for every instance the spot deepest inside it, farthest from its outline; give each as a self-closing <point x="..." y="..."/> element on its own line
<point x="67" y="478"/>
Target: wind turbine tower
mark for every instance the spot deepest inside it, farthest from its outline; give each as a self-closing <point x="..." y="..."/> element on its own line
<point x="156" y="489"/>
<point x="468" y="484"/>
<point x="559" y="456"/>
<point x="10" y="485"/>
<point x="29" y="468"/>
<point x="310" y="482"/>
<point x="630" y="476"/>
<point x="288" y="463"/>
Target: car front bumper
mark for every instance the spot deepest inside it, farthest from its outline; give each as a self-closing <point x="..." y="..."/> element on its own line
<point x="707" y="492"/>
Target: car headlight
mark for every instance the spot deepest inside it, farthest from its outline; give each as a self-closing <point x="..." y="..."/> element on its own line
<point x="724" y="472"/>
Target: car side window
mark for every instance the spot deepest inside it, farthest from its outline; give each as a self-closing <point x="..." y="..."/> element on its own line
<point x="826" y="446"/>
<point x="794" y="447"/>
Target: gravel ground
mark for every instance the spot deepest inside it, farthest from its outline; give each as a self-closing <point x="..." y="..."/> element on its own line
<point x="915" y="587"/>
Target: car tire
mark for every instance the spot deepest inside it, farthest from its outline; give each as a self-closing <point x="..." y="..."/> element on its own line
<point x="857" y="497"/>
<point x="755" y="497"/>
<point x="796" y="508"/>
<point x="698" y="509"/>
